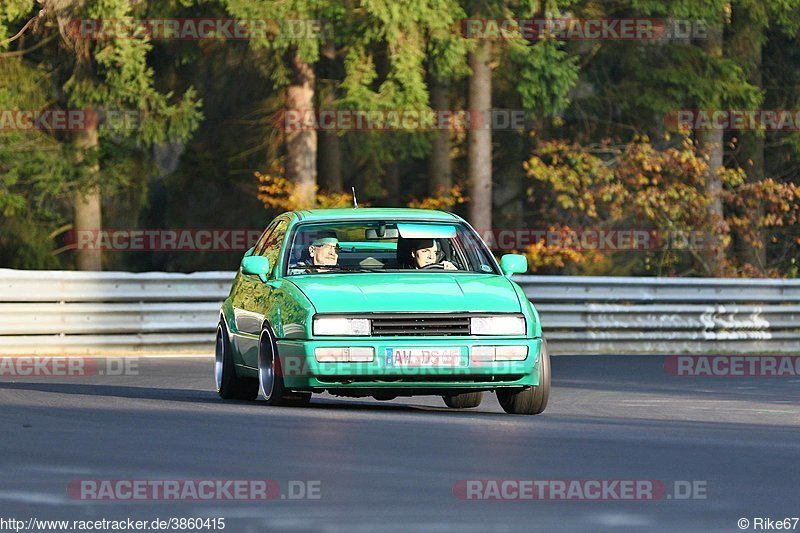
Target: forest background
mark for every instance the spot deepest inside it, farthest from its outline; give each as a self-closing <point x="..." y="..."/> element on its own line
<point x="551" y="140"/>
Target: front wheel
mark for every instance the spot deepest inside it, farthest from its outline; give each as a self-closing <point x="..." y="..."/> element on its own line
<point x="270" y="376"/>
<point x="465" y="400"/>
<point x="529" y="400"/>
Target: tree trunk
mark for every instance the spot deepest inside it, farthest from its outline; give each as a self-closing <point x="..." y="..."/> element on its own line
<point x="753" y="151"/>
<point x="440" y="166"/>
<point x="480" y="137"/>
<point x="301" y="146"/>
<point x="710" y="144"/>
<point x="87" y="207"/>
<point x="749" y="39"/>
<point x="330" y="156"/>
<point x="391" y="182"/>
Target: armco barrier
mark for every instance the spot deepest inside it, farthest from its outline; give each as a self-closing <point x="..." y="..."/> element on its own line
<point x="54" y="312"/>
<point x="622" y="315"/>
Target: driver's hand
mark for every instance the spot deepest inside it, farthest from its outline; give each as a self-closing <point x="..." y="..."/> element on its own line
<point x="449" y="266"/>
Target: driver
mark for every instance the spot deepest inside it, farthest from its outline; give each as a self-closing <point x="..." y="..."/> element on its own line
<point x="425" y="252"/>
<point x="324" y="251"/>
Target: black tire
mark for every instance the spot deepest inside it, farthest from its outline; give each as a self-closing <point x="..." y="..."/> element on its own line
<point x="384" y="397"/>
<point x="270" y="375"/>
<point x="529" y="400"/>
<point x="296" y="399"/>
<point x="229" y="385"/>
<point x="465" y="400"/>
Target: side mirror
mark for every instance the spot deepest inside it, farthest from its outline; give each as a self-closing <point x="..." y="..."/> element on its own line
<point x="513" y="264"/>
<point x="256" y="265"/>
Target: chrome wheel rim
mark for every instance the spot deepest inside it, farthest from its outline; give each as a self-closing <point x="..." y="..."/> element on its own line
<point x="218" y="359"/>
<point x="266" y="372"/>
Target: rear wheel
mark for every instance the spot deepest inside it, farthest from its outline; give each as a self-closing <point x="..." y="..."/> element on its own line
<point x="270" y="375"/>
<point x="529" y="400"/>
<point x="465" y="400"/>
<point x="229" y="385"/>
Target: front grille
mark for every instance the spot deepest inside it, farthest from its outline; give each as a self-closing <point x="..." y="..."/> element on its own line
<point x="404" y="325"/>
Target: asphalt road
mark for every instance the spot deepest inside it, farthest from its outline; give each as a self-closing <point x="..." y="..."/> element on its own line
<point x="393" y="466"/>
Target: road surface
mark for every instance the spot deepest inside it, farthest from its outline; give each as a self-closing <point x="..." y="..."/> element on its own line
<point x="403" y="465"/>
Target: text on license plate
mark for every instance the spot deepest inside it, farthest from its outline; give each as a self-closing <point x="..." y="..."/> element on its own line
<point x="423" y="357"/>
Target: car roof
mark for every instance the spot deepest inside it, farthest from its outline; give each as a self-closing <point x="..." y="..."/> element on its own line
<point x="366" y="213"/>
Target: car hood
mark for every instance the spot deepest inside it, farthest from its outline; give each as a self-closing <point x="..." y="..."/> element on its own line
<point x="417" y="292"/>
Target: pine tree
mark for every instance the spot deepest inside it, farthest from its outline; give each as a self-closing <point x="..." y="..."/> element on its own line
<point x="103" y="77"/>
<point x="545" y="76"/>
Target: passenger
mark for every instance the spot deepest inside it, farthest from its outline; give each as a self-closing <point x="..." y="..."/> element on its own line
<point x="425" y="253"/>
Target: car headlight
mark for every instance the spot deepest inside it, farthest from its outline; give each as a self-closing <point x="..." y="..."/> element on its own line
<point x="497" y="325"/>
<point x="341" y="326"/>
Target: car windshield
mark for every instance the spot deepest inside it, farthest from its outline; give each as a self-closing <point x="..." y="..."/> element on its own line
<point x="387" y="246"/>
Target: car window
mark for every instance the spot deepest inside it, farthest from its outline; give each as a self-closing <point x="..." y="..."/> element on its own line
<point x="386" y="246"/>
<point x="259" y="247"/>
<point x="272" y="245"/>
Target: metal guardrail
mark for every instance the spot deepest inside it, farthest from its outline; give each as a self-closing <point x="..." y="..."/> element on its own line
<point x="596" y="315"/>
<point x="79" y="313"/>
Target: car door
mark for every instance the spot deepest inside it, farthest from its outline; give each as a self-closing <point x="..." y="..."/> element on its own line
<point x="252" y="295"/>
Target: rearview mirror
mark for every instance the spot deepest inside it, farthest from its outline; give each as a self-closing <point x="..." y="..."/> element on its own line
<point x="513" y="264"/>
<point x="256" y="265"/>
<point x="372" y="234"/>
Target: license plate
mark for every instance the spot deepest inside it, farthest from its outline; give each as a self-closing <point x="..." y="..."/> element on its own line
<point x="423" y="357"/>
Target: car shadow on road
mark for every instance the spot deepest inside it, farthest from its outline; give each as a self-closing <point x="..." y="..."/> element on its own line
<point x="351" y="404"/>
<point x="209" y="397"/>
<point x="116" y="391"/>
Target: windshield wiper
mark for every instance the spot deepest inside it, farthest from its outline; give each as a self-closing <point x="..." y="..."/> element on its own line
<point x="358" y="269"/>
<point x="333" y="268"/>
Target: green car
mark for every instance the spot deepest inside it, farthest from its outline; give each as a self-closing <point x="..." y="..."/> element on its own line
<point x="380" y="302"/>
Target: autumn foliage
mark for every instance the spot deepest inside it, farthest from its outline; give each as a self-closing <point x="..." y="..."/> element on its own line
<point x="639" y="185"/>
<point x="444" y="200"/>
<point x="277" y="193"/>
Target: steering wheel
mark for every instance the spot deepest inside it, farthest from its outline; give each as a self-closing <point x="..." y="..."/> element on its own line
<point x="433" y="266"/>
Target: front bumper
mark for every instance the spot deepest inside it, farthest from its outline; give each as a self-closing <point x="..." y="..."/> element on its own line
<point x="301" y="370"/>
